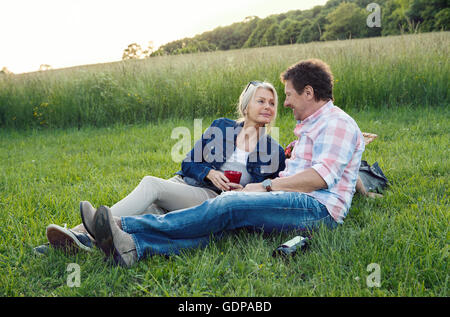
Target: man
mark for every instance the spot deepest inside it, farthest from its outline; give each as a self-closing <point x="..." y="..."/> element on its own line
<point x="315" y="188"/>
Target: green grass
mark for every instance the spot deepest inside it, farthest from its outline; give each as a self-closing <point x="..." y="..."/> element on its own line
<point x="44" y="174"/>
<point x="386" y="72"/>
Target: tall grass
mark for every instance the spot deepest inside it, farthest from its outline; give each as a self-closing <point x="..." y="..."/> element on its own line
<point x="376" y="72"/>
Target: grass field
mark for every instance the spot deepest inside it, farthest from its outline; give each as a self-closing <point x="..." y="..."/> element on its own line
<point x="386" y="72"/>
<point x="92" y="132"/>
<point x="45" y="173"/>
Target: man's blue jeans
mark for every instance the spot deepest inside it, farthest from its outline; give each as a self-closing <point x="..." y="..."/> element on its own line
<point x="193" y="227"/>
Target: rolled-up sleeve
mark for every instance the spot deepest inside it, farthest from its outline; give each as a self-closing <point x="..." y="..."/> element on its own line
<point x="194" y="165"/>
<point x="333" y="148"/>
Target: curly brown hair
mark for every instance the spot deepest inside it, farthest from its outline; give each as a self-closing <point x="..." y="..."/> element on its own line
<point x="313" y="72"/>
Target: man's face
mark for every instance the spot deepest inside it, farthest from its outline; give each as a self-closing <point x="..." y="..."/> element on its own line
<point x="298" y="103"/>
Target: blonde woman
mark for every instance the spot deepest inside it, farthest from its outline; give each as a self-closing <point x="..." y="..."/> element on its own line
<point x="242" y="145"/>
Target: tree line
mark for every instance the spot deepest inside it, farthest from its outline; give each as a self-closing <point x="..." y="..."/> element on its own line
<point x="336" y="20"/>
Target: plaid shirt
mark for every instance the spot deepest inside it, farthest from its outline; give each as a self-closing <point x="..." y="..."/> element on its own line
<point x="331" y="143"/>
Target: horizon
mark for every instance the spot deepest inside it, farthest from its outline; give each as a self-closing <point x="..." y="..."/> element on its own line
<point x="92" y="34"/>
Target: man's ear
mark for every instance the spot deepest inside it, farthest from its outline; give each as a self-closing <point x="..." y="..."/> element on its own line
<point x="309" y="92"/>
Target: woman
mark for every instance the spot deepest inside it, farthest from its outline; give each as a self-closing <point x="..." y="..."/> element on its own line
<point x="241" y="145"/>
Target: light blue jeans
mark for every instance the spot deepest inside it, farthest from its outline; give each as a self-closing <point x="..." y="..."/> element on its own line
<point x="193" y="227"/>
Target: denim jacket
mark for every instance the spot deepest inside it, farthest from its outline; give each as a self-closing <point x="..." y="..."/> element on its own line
<point x="218" y="143"/>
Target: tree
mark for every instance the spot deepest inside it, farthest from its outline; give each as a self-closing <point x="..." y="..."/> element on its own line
<point x="44" y="67"/>
<point x="242" y="32"/>
<point x="289" y="31"/>
<point x="229" y="37"/>
<point x="423" y="13"/>
<point x="5" y="71"/>
<point x="393" y="17"/>
<point x="346" y="21"/>
<point x="149" y="50"/>
<point x="171" y="47"/>
<point x="307" y="31"/>
<point x="337" y="19"/>
<point x="270" y="38"/>
<point x="442" y="21"/>
<point x="255" y="39"/>
<point x="135" y="51"/>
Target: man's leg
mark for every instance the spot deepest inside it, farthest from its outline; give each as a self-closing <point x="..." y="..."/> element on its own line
<point x="193" y="227"/>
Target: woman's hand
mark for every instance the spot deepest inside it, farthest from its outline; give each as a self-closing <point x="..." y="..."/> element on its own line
<point x="218" y="179"/>
<point x="235" y="187"/>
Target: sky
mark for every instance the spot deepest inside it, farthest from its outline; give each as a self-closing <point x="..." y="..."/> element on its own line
<point x="64" y="33"/>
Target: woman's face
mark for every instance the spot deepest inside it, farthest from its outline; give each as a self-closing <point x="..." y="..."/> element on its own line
<point x="261" y="109"/>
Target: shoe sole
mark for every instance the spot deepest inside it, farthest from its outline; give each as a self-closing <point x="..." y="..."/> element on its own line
<point x="84" y="221"/>
<point x="104" y="235"/>
<point x="103" y="231"/>
<point x="61" y="238"/>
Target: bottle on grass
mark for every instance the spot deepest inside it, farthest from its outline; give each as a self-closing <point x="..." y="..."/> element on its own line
<point x="291" y="247"/>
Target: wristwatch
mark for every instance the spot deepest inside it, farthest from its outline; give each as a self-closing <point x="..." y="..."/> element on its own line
<point x="267" y="184"/>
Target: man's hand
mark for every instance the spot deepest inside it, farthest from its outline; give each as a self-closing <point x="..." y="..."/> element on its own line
<point x="254" y="187"/>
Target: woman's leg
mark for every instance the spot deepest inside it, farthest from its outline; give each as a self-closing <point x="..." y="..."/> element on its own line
<point x="157" y="196"/>
<point x="170" y="195"/>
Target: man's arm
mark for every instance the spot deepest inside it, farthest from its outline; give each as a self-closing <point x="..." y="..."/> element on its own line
<point x="306" y="181"/>
<point x="333" y="148"/>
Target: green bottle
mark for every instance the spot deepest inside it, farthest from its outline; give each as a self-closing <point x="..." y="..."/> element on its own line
<point x="291" y="247"/>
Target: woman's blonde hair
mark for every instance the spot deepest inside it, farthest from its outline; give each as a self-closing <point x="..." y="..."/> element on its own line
<point x="249" y="93"/>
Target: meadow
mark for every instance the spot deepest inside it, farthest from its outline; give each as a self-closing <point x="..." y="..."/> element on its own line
<point x="383" y="73"/>
<point x="395" y="87"/>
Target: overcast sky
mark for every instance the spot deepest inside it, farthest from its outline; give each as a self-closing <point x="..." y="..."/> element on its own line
<point x="65" y="33"/>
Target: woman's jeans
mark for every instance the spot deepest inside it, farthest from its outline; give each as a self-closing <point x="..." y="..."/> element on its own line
<point x="193" y="227"/>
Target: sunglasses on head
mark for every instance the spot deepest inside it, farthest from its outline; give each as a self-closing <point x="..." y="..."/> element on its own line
<point x="254" y="82"/>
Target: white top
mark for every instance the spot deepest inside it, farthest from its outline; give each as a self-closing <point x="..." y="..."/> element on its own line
<point x="239" y="156"/>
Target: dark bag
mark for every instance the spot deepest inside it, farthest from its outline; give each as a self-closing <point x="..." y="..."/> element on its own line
<point x="372" y="177"/>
